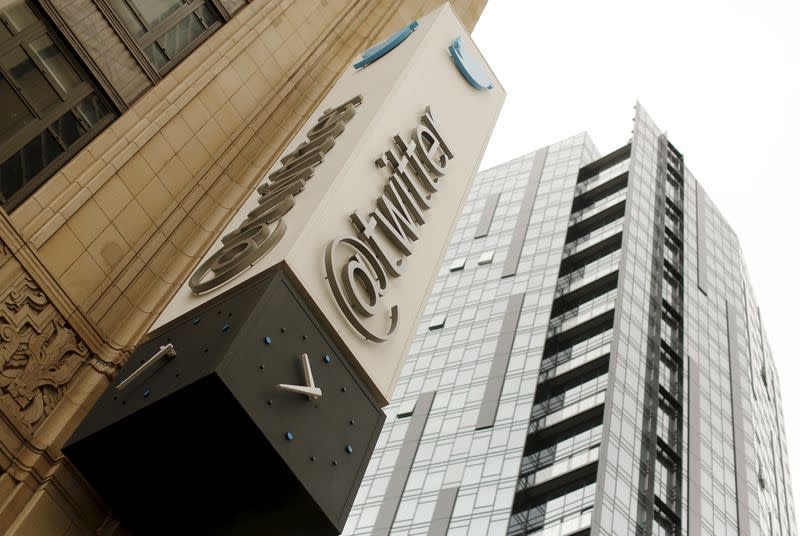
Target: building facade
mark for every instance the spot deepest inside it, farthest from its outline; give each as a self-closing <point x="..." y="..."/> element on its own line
<point x="591" y="362"/>
<point x="135" y="131"/>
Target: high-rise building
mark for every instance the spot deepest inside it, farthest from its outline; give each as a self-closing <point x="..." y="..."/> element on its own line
<point x="591" y="362"/>
<point x="131" y="133"/>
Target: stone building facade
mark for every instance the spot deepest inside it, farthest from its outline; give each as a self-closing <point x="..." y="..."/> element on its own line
<point x="150" y="132"/>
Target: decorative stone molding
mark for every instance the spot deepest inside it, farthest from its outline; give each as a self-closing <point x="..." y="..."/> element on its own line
<point x="39" y="353"/>
<point x="13" y="248"/>
<point x="5" y="253"/>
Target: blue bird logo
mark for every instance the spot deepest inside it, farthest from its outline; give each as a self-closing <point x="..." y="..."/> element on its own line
<point x="471" y="69"/>
<point x="384" y="47"/>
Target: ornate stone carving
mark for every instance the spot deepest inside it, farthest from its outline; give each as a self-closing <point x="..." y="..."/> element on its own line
<point x="39" y="352"/>
<point x="5" y="253"/>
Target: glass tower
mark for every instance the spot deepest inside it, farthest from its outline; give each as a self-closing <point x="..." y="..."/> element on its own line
<point x="591" y="362"/>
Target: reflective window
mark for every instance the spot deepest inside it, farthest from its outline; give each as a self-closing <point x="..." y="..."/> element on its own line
<point x="437" y="322"/>
<point x="486" y="257"/>
<point x="167" y="30"/>
<point x="458" y="264"/>
<point x="50" y="107"/>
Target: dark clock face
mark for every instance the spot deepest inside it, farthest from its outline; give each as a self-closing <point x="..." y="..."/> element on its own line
<point x="218" y="399"/>
<point x="325" y="432"/>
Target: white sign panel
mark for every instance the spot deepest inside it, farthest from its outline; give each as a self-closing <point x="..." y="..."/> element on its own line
<point x="360" y="209"/>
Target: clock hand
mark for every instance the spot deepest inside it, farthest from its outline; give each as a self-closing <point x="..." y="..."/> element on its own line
<point x="310" y="392"/>
<point x="307" y="371"/>
<point x="310" y="389"/>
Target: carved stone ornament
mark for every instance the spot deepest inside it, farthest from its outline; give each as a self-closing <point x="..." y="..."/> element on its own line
<point x="39" y="352"/>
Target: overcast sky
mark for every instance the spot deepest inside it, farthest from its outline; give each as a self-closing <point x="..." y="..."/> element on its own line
<point x="721" y="78"/>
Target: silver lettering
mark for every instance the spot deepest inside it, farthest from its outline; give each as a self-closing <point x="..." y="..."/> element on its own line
<point x="429" y="149"/>
<point x="398" y="166"/>
<point x="362" y="269"/>
<point x="395" y="266"/>
<point x="427" y="120"/>
<point x="422" y="172"/>
<point x="361" y="282"/>
<point x="406" y="198"/>
<point x="306" y="161"/>
<point x="253" y="238"/>
<point x="321" y="145"/>
<point x="303" y="173"/>
<point x="255" y="218"/>
<point x="327" y="123"/>
<point x="395" y="220"/>
<point x="235" y="257"/>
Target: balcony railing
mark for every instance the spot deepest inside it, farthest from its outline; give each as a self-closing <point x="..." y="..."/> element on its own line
<point x="588" y="240"/>
<point x="588" y="193"/>
<point x="559" y="468"/>
<point x="582" y="313"/>
<point x="575" y="361"/>
<point x="599" y="206"/>
<point x="566" y="525"/>
<point x="567" y="412"/>
<point x="564" y="354"/>
<point x="604" y="176"/>
<point x="587" y="275"/>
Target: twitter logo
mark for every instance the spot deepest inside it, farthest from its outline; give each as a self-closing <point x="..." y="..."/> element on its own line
<point x="470" y="68"/>
<point x="384" y="47"/>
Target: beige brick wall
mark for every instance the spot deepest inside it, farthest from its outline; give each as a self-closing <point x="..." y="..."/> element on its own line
<point x="111" y="236"/>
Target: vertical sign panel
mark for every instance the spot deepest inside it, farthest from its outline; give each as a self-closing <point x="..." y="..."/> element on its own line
<point x="360" y="209"/>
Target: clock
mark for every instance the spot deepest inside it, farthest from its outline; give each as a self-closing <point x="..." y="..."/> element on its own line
<point x="309" y="388"/>
<point x="242" y="416"/>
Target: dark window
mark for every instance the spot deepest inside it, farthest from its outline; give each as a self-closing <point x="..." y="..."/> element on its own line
<point x="167" y="30"/>
<point x="50" y="109"/>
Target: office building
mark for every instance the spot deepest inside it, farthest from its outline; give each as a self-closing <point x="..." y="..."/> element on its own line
<point x="133" y="131"/>
<point x="591" y="362"/>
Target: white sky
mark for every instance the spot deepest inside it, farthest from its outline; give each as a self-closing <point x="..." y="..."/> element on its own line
<point x="721" y="78"/>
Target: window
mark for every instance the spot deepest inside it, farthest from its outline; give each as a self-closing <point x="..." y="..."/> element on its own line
<point x="406" y="409"/>
<point x="437" y="322"/>
<point x="486" y="257"/>
<point x="458" y="264"/>
<point x="50" y="110"/>
<point x="167" y="30"/>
